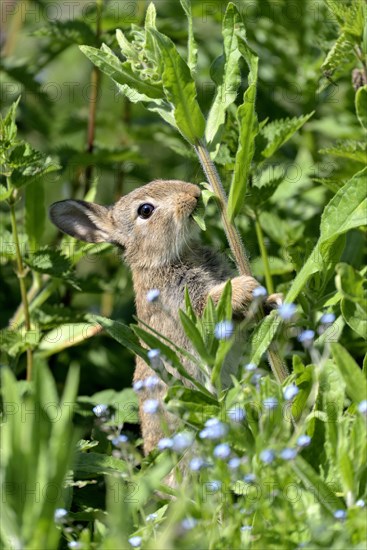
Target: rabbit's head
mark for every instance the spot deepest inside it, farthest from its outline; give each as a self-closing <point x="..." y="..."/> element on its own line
<point x="152" y="223"/>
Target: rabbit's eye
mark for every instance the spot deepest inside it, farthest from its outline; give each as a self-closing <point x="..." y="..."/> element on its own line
<point x="145" y="210"/>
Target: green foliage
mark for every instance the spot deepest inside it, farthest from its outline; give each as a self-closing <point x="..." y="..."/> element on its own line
<point x="267" y="92"/>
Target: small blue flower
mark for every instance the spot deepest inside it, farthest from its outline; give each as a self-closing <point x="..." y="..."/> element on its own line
<point x="165" y="443"/>
<point x="362" y="407"/>
<point x="256" y="378"/>
<point x="222" y="451"/>
<point x="120" y="440"/>
<point x="152" y="382"/>
<point x="154" y="354"/>
<point x="214" y="485"/>
<point x="286" y="311"/>
<point x="303" y="440"/>
<point x="306" y="337"/>
<point x="340" y="514"/>
<point x="360" y="503"/>
<point x="214" y="429"/>
<point x="100" y="410"/>
<point x="188" y="523"/>
<point x="267" y="456"/>
<point x="290" y="392"/>
<point x="196" y="464"/>
<point x="270" y="403"/>
<point x="138" y="385"/>
<point x="249" y="478"/>
<point x="135" y="541"/>
<point x="181" y="441"/>
<point x="327" y="318"/>
<point x="74" y="545"/>
<point x="223" y="330"/>
<point x="288" y="454"/>
<point x="152" y="517"/>
<point x="246" y="527"/>
<point x="153" y="295"/>
<point x="259" y="292"/>
<point x="151" y="406"/>
<point x="237" y="414"/>
<point x="234" y="463"/>
<point x="250" y="367"/>
<point x="60" y="515"/>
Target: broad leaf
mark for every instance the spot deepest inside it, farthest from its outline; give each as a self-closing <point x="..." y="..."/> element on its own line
<point x="180" y="90"/>
<point x="279" y="131"/>
<point x="355" y="380"/>
<point x="228" y="80"/>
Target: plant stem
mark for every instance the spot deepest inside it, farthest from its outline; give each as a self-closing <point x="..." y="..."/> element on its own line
<point x="21" y="273"/>
<point x="264" y="256"/>
<point x="95" y="80"/>
<point x="233" y="236"/>
<point x="243" y="265"/>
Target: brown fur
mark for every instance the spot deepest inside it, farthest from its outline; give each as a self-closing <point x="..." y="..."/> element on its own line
<point x="163" y="254"/>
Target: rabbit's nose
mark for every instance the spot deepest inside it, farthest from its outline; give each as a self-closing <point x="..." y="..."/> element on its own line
<point x="193" y="190"/>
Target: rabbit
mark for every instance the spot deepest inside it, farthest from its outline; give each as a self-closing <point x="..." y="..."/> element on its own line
<point x="154" y="228"/>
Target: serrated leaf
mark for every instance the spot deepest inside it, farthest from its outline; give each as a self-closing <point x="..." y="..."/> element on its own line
<point x="280" y="131"/>
<point x="49" y="261"/>
<point x="71" y="31"/>
<point x="180" y="90"/>
<point x="349" y="149"/>
<point x="8" y="127"/>
<point x="361" y="106"/>
<point x="122" y="73"/>
<point x="340" y="54"/>
<point x="191" y="44"/>
<point x="355" y="381"/>
<point x="228" y="78"/>
<point x="90" y="465"/>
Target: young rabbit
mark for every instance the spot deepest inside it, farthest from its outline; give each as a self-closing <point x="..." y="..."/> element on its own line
<point x="154" y="228"/>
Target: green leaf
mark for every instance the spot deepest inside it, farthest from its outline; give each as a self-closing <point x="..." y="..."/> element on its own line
<point x="8" y="127"/>
<point x="349" y="149"/>
<point x="355" y="381"/>
<point x="340" y="54"/>
<point x="50" y="261"/>
<point x="122" y="73"/>
<point x="280" y="131"/>
<point x="361" y="106"/>
<point x="191" y="44"/>
<point x="354" y="298"/>
<point x="313" y="483"/>
<point x="35" y="213"/>
<point x="64" y="336"/>
<point x="248" y="130"/>
<point x="195" y="337"/>
<point x="29" y="165"/>
<point x="89" y="465"/>
<point x="122" y="333"/>
<point x="228" y="80"/>
<point x="180" y="90"/>
<point x="347" y="209"/>
<point x="4" y="193"/>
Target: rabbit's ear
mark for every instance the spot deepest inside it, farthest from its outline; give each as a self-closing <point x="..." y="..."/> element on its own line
<point x="86" y="221"/>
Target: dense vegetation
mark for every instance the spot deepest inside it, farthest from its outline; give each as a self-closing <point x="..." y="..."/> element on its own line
<point x="275" y="94"/>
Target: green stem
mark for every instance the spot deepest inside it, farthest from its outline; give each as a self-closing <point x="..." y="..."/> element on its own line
<point x="264" y="255"/>
<point x="243" y="265"/>
<point x="21" y="274"/>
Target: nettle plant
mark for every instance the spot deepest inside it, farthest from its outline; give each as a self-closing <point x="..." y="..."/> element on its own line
<point x="278" y="459"/>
